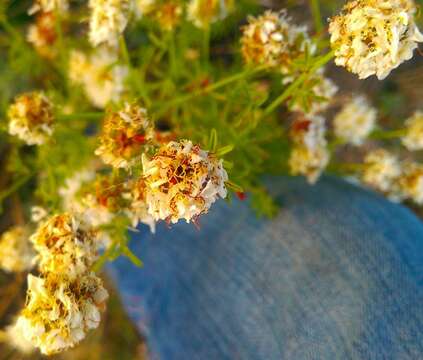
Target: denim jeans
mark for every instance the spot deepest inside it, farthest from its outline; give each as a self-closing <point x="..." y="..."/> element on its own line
<point x="338" y="274"/>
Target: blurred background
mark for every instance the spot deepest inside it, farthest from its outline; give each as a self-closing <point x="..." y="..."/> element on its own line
<point x="396" y="98"/>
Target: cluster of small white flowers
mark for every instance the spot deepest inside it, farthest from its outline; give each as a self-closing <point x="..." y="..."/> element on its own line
<point x="271" y="39"/>
<point x="99" y="74"/>
<point x="381" y="170"/>
<point x="124" y="135"/>
<point x="373" y="37"/>
<point x="309" y="154"/>
<point x="59" y="310"/>
<point x="204" y="12"/>
<point x="138" y="208"/>
<point x="355" y="121"/>
<point x="182" y="181"/>
<point x="16" y="252"/>
<point x="60" y="6"/>
<point x="322" y="89"/>
<point x="108" y="20"/>
<point x="413" y="138"/>
<point x="65" y="244"/>
<point x="410" y="183"/>
<point x="31" y="118"/>
<point x="42" y="35"/>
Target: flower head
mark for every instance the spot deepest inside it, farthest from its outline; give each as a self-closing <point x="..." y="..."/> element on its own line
<point x="271" y="39"/>
<point x="182" y="181"/>
<point x="125" y="135"/>
<point x="204" y="12"/>
<point x="137" y="210"/>
<point x="60" y="310"/>
<point x="373" y="37"/>
<point x="381" y="170"/>
<point x="42" y="35"/>
<point x="309" y="155"/>
<point x="410" y="182"/>
<point x="60" y="6"/>
<point x="108" y="20"/>
<point x="100" y="76"/>
<point x="31" y="118"/>
<point x="16" y="252"/>
<point x="65" y="244"/>
<point x="413" y="138"/>
<point x="355" y="121"/>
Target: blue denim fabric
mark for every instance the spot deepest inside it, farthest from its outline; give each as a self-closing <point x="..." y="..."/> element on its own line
<point x="338" y="274"/>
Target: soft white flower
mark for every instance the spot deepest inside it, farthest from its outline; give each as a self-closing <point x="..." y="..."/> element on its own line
<point x="42" y="35"/>
<point x="182" y="181"/>
<point x="204" y="12"/>
<point x="31" y="118"/>
<point x="355" y="121"/>
<point x="410" y="182"/>
<point x="101" y="77"/>
<point x="60" y="6"/>
<point x="137" y="211"/>
<point x="108" y="20"/>
<point x="272" y="39"/>
<point x="15" y="337"/>
<point x="381" y="170"/>
<point x="16" y="252"/>
<point x="413" y="138"/>
<point x="373" y="37"/>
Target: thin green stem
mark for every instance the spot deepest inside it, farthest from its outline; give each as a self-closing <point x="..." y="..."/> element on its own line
<point x="297" y="83"/>
<point x="124" y="51"/>
<point x="206" y="46"/>
<point x="16" y="186"/>
<point x="392" y="134"/>
<point x="317" y="15"/>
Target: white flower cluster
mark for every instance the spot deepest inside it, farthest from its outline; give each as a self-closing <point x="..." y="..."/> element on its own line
<point x="125" y="134"/>
<point x="273" y="40"/>
<point x="45" y="6"/>
<point x="99" y="74"/>
<point x="373" y="37"/>
<point x="309" y="154"/>
<point x="355" y="121"/>
<point x="204" y="12"/>
<point x="410" y="184"/>
<point x="31" y="118"/>
<point x="182" y="181"/>
<point x="16" y="252"/>
<point x="108" y="20"/>
<point x="413" y="138"/>
<point x="42" y="35"/>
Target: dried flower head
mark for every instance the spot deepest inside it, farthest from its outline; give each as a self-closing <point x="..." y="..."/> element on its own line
<point x="59" y="310"/>
<point x="373" y="37"/>
<point x="309" y="155"/>
<point x="101" y="77"/>
<point x="410" y="182"/>
<point x="182" y="181"/>
<point x="65" y="244"/>
<point x="42" y="35"/>
<point x="355" y="121"/>
<point x="16" y="252"/>
<point x="202" y="13"/>
<point x="381" y="169"/>
<point x="125" y="136"/>
<point x="321" y="89"/>
<point x="413" y="138"/>
<point x="31" y="118"/>
<point x="271" y="39"/>
<point x="108" y="20"/>
<point x="60" y="6"/>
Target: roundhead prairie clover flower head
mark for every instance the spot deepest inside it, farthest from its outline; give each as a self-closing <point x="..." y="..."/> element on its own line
<point x="322" y="90"/>
<point x="60" y="6"/>
<point x="355" y="121"/>
<point x="413" y="138"/>
<point x="42" y="35"/>
<point x="202" y="13"/>
<point x="108" y="20"/>
<point x="59" y="310"/>
<point x="125" y="135"/>
<point x="410" y="182"/>
<point x="65" y="244"/>
<point x="309" y="155"/>
<point x="273" y="40"/>
<point x="99" y="74"/>
<point x="381" y="170"/>
<point x="182" y="181"/>
<point x="373" y="37"/>
<point x="31" y="118"/>
<point x="16" y="252"/>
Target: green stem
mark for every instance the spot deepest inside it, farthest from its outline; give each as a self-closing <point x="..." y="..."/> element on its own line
<point x="16" y="186"/>
<point x="206" y="45"/>
<point x="124" y="51"/>
<point x="297" y="83"/>
<point x="77" y="116"/>
<point x="317" y="15"/>
<point x="393" y="134"/>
